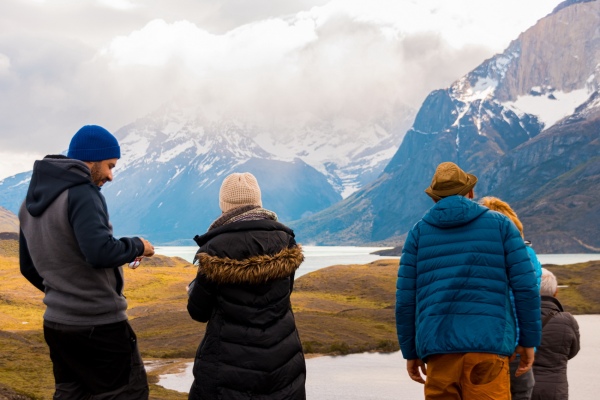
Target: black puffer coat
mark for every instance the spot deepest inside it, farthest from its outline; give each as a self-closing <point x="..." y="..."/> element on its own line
<point x="251" y="349"/>
<point x="560" y="343"/>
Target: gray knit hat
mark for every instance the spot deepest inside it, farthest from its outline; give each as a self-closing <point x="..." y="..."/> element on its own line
<point x="239" y="189"/>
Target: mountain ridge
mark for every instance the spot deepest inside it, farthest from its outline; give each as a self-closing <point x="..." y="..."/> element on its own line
<point x="491" y="119"/>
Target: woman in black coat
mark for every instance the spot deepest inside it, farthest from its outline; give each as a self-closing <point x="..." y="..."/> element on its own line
<point x="246" y="265"/>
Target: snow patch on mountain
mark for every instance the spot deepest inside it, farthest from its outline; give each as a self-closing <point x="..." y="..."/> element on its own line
<point x="483" y="88"/>
<point x="173" y="152"/>
<point x="344" y="150"/>
<point x="134" y="146"/>
<point x="551" y="107"/>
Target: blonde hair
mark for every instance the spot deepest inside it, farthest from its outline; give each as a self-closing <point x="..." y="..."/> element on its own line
<point x="548" y="284"/>
<point x="495" y="204"/>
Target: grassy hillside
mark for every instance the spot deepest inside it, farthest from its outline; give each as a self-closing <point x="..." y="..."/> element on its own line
<point x="347" y="309"/>
<point x="339" y="310"/>
<point x="8" y="221"/>
<point x="156" y="295"/>
<point x="582" y="294"/>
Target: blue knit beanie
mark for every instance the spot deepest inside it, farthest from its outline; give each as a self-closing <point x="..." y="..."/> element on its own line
<point x="94" y="143"/>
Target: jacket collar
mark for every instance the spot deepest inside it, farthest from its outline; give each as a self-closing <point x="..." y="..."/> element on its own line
<point x="242" y="226"/>
<point x="552" y="302"/>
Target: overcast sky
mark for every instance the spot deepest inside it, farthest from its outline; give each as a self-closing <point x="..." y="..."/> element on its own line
<point x="67" y="63"/>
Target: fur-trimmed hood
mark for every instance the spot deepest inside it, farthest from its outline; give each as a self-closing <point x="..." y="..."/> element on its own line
<point x="254" y="270"/>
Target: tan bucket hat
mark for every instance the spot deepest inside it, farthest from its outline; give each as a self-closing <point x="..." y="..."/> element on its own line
<point x="449" y="180"/>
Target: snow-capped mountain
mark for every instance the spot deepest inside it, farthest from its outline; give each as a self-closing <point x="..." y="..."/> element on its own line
<point x="167" y="181"/>
<point x="172" y="166"/>
<point x="524" y="121"/>
<point x="350" y="154"/>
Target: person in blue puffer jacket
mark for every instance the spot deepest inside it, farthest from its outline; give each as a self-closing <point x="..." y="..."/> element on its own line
<point x="454" y="317"/>
<point x="521" y="388"/>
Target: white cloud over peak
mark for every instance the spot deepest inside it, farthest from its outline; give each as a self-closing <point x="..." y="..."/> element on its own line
<point x="256" y="44"/>
<point x="64" y="64"/>
<point x="119" y="4"/>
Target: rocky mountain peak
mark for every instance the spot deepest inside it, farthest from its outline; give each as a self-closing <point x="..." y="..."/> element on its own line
<point x="524" y="121"/>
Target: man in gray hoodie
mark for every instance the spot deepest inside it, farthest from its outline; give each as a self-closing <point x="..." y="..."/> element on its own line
<point x="68" y="251"/>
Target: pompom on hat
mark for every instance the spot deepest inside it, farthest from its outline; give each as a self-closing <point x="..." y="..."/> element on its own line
<point x="239" y="189"/>
<point x="93" y="143"/>
<point x="450" y="180"/>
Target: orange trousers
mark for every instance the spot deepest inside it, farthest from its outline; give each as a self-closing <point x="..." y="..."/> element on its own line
<point x="467" y="376"/>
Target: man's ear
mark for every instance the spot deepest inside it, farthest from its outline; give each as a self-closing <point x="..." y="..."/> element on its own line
<point x="471" y="194"/>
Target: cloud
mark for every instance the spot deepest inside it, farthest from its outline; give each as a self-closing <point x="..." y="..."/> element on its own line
<point x="118" y="4"/>
<point x="64" y="64"/>
<point x="12" y="163"/>
<point x="4" y="64"/>
<point x="324" y="62"/>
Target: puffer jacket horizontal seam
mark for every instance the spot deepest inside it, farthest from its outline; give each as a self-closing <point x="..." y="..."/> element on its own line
<point x="469" y="314"/>
<point x="278" y="367"/>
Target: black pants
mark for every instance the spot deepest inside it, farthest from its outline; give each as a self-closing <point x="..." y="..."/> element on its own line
<point x="96" y="362"/>
<point x="521" y="388"/>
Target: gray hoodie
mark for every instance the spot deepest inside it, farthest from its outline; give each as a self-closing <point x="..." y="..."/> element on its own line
<point x="67" y="248"/>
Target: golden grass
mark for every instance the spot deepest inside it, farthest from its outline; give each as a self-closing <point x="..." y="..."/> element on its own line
<point x="25" y="365"/>
<point x="339" y="310"/>
<point x="347" y="309"/>
<point x="582" y="294"/>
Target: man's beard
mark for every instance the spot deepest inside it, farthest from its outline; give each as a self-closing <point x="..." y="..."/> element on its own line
<point x="96" y="172"/>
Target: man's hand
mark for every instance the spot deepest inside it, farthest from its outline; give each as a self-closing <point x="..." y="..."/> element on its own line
<point x="148" y="248"/>
<point x="415" y="367"/>
<point x="527" y="354"/>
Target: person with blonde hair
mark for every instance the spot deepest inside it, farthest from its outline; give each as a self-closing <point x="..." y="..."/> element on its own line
<point x="521" y="387"/>
<point x="246" y="266"/>
<point x="560" y="343"/>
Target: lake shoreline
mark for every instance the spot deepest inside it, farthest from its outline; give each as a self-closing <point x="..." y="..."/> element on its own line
<point x="383" y="376"/>
<point x="343" y="304"/>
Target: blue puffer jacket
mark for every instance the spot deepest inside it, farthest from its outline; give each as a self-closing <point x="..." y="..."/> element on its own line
<point x="457" y="268"/>
<point x="537" y="267"/>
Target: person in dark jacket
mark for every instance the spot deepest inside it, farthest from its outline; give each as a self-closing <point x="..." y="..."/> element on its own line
<point x="246" y="266"/>
<point x="453" y="308"/>
<point x="560" y="343"/>
<point x="67" y="250"/>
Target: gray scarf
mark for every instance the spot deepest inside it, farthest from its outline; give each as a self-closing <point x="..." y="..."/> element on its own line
<point x="244" y="213"/>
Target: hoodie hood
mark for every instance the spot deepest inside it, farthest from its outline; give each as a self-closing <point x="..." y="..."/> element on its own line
<point x="453" y="211"/>
<point x="52" y="176"/>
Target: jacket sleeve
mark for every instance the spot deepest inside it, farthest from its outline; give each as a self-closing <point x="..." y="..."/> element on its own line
<point x="406" y="298"/>
<point x="202" y="298"/>
<point x="537" y="265"/>
<point x="28" y="270"/>
<point x="89" y="218"/>
<point x="523" y="281"/>
<point x="575" y="343"/>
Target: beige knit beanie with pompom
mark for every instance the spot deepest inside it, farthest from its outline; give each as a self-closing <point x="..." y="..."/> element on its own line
<point x="239" y="189"/>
